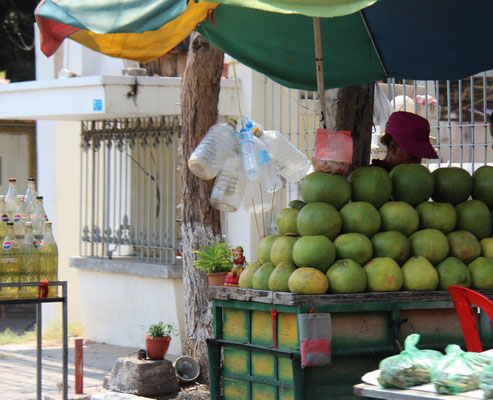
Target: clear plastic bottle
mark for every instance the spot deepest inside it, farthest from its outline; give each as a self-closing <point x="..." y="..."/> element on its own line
<point x="229" y="185"/>
<point x="30" y="196"/>
<point x="48" y="259"/>
<point x="268" y="175"/>
<point x="4" y="218"/>
<point x="29" y="271"/>
<point x="20" y="219"/>
<point x="292" y="164"/>
<point x="11" y="198"/>
<point x="38" y="218"/>
<point x="208" y="157"/>
<point x="10" y="258"/>
<point x="246" y="145"/>
<point x="256" y="199"/>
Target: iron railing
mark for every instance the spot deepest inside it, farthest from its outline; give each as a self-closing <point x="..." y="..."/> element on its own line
<point x="129" y="188"/>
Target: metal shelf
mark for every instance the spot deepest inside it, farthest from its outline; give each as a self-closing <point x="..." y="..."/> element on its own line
<point x="39" y="329"/>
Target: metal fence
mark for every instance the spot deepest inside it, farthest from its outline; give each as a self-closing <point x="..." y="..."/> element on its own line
<point x="129" y="188"/>
<point x="458" y="113"/>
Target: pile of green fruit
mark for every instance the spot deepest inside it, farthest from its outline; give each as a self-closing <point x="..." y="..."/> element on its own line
<point x="376" y="231"/>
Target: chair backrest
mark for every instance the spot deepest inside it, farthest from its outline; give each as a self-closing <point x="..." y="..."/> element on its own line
<point x="463" y="299"/>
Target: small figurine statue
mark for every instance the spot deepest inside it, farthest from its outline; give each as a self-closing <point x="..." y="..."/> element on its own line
<point x="239" y="262"/>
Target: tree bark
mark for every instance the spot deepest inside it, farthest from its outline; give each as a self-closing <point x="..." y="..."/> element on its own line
<point x="200" y="222"/>
<point x="351" y="109"/>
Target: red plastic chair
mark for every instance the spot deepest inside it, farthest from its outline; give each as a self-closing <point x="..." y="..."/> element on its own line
<point x="463" y="298"/>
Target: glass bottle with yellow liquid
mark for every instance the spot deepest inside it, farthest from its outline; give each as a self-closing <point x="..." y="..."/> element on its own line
<point x="29" y="271"/>
<point x="10" y="264"/>
<point x="4" y="218"/>
<point x="48" y="259"/>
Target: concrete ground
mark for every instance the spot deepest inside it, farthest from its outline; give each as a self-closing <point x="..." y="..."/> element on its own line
<point x="18" y="369"/>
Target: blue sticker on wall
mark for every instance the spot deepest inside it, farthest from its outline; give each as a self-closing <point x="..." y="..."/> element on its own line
<point x="97" y="104"/>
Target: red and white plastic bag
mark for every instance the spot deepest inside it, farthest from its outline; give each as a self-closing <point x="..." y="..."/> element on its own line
<point x="315" y="336"/>
<point x="333" y="152"/>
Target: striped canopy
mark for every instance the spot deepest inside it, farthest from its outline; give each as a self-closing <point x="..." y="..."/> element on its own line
<point x="362" y="40"/>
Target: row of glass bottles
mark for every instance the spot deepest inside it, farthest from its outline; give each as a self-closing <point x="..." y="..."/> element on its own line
<point x="246" y="169"/>
<point x="28" y="260"/>
<point x="20" y="209"/>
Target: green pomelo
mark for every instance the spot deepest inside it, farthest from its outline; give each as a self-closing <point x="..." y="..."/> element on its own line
<point x="308" y="281"/>
<point x="354" y="246"/>
<point x="370" y="184"/>
<point x="286" y="221"/>
<point x="384" y="275"/>
<point x="319" y="219"/>
<point x="441" y="216"/>
<point x="264" y="246"/>
<point x="298" y="204"/>
<point x="323" y="187"/>
<point x="453" y="271"/>
<point x="282" y="250"/>
<point x="452" y="185"/>
<point x="360" y="217"/>
<point x="474" y="216"/>
<point x="482" y="187"/>
<point x="346" y="276"/>
<point x="419" y="274"/>
<point x="278" y="280"/>
<point x="412" y="183"/>
<point x="399" y="216"/>
<point x="314" y="251"/>
<point x="391" y="244"/>
<point x="246" y="276"/>
<point x="487" y="247"/>
<point x="431" y="244"/>
<point x="482" y="273"/>
<point x="464" y="246"/>
<point x="260" y="280"/>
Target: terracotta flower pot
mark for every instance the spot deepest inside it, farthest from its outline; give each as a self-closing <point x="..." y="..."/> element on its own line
<point x="157" y="347"/>
<point x="217" y="278"/>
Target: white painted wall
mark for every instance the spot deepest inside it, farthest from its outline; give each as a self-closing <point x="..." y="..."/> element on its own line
<point x="115" y="306"/>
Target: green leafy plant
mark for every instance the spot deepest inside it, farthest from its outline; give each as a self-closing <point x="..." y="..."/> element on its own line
<point x="215" y="258"/>
<point x="162" y="330"/>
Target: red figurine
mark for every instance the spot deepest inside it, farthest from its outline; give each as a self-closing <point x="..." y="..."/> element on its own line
<point x="233" y="277"/>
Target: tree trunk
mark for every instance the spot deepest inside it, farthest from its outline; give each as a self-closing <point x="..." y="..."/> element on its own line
<point x="200" y="222"/>
<point x="351" y="109"/>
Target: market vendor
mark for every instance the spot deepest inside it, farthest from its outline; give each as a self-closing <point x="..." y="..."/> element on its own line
<point x="407" y="138"/>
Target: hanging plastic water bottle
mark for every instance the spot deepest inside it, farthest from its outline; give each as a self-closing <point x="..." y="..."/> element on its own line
<point x="48" y="259"/>
<point x="38" y="218"/>
<point x="208" y="157"/>
<point x="20" y="219"/>
<point x="292" y="164"/>
<point x="29" y="271"/>
<point x="248" y="152"/>
<point x="229" y="186"/>
<point x="11" y="198"/>
<point x="30" y="196"/>
<point x="10" y="263"/>
<point x="268" y="175"/>
<point x="256" y="199"/>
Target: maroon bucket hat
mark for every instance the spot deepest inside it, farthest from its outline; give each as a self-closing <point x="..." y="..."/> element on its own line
<point x="412" y="133"/>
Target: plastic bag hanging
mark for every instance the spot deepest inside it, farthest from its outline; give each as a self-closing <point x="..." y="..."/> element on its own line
<point x="315" y="336"/>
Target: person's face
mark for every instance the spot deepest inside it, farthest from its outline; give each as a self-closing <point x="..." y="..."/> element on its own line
<point x="400" y="156"/>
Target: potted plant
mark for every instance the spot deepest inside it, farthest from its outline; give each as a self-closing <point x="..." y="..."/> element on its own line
<point x="158" y="338"/>
<point x="215" y="261"/>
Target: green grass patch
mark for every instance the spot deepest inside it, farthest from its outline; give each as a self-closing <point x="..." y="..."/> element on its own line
<point x="52" y="334"/>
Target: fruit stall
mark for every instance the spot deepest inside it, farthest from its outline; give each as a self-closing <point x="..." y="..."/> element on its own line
<point x="372" y="254"/>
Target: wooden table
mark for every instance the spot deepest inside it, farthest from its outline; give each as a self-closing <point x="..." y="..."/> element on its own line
<point x="366" y="390"/>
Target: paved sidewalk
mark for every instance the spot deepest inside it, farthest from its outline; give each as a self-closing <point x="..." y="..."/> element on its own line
<point x="18" y="368"/>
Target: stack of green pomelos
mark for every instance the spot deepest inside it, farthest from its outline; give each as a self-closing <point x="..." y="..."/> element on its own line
<point x="411" y="229"/>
